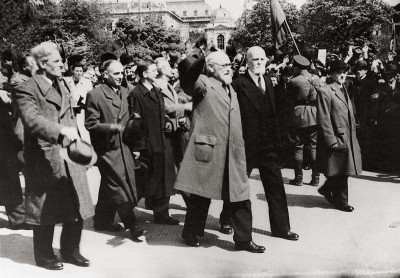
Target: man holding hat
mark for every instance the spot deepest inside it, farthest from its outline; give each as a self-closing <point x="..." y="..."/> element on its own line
<point x="56" y="191"/>
<point x="214" y="165"/>
<point x="302" y="95"/>
<point x="338" y="152"/>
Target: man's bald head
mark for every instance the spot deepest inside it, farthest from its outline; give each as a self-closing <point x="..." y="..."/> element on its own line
<point x="256" y="60"/>
<point x="219" y="66"/>
<point x="113" y="73"/>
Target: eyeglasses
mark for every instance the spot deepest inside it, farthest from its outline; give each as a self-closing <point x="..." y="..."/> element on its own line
<point x="224" y="65"/>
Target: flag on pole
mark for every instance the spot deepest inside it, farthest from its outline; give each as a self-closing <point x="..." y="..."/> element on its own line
<point x="393" y="41"/>
<point x="278" y="20"/>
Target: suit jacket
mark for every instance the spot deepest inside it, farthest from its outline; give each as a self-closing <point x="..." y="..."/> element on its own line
<point x="258" y="117"/>
<point x="115" y="161"/>
<point x="215" y="145"/>
<point x="54" y="188"/>
<point x="337" y="125"/>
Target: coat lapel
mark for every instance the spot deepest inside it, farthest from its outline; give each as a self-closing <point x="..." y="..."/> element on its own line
<point x="217" y="87"/>
<point x="339" y="93"/>
<point x="48" y="91"/>
<point x="251" y="90"/>
<point x="124" y="103"/>
<point x="66" y="97"/>
<point x="111" y="96"/>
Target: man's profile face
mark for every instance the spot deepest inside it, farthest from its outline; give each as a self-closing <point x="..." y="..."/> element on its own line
<point x="166" y="69"/>
<point x="257" y="61"/>
<point x="114" y="74"/>
<point x="53" y="66"/>
<point x="222" y="68"/>
<point x="151" y="73"/>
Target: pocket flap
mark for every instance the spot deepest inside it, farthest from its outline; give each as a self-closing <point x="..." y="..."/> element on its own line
<point x="205" y="139"/>
<point x="341" y="130"/>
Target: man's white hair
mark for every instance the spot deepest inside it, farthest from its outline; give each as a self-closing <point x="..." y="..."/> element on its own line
<point x="249" y="54"/>
<point x="42" y="51"/>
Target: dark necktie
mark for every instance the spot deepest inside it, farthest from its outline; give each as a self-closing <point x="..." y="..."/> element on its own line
<point x="344" y="93"/>
<point x="227" y="89"/>
<point x="56" y="86"/>
<point x="260" y="85"/>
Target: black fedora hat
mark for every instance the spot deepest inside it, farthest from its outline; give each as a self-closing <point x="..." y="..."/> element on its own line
<point x="337" y="66"/>
<point x="189" y="71"/>
<point x="79" y="153"/>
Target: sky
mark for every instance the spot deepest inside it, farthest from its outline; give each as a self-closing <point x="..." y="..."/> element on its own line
<point x="235" y="7"/>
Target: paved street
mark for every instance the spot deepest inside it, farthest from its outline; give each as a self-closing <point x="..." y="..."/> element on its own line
<point x="365" y="243"/>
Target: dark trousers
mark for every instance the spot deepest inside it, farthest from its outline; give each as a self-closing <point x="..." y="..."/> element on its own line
<point x="106" y="209"/>
<point x="337" y="187"/>
<point x="305" y="142"/>
<point x="272" y="181"/>
<point x="43" y="240"/>
<point x="15" y="214"/>
<point x="160" y="206"/>
<point x="197" y="212"/>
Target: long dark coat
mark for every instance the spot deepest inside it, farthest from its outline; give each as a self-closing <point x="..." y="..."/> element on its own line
<point x="10" y="187"/>
<point x="162" y="172"/>
<point x="115" y="161"/>
<point x="337" y="125"/>
<point x="216" y="141"/>
<point x="54" y="189"/>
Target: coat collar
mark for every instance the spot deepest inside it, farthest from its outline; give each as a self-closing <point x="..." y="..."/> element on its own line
<point x="338" y="92"/>
<point x="217" y="86"/>
<point x="153" y="94"/>
<point x="111" y="95"/>
<point x="164" y="89"/>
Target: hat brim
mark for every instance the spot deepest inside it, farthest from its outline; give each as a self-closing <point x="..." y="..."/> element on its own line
<point x="191" y="73"/>
<point x="64" y="155"/>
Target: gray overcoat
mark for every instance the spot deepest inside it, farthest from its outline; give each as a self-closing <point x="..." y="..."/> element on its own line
<point x="54" y="188"/>
<point x="216" y="136"/>
<point x="337" y="125"/>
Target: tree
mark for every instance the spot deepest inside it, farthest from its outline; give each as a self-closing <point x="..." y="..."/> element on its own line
<point x="334" y="24"/>
<point x="146" y="37"/>
<point x="254" y="26"/>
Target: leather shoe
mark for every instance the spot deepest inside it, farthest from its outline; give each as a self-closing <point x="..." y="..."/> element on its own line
<point x="289" y="235"/>
<point x="136" y="232"/>
<point x="109" y="227"/>
<point x="225" y="229"/>
<point x="346" y="208"/>
<point x="249" y="246"/>
<point x="166" y="220"/>
<point x="75" y="258"/>
<point x="191" y="240"/>
<point x="296" y="182"/>
<point x="328" y="195"/>
<point x="50" y="263"/>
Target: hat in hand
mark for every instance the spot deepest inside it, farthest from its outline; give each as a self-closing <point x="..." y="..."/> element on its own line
<point x="79" y="153"/>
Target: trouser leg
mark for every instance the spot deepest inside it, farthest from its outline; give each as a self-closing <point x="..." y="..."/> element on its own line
<point x="161" y="207"/>
<point x="311" y="147"/>
<point x="340" y="191"/>
<point x="71" y="237"/>
<point x="225" y="216"/>
<point x="274" y="189"/>
<point x="43" y="242"/>
<point x="242" y="221"/>
<point x="15" y="214"/>
<point x="127" y="215"/>
<point x="105" y="210"/>
<point x="196" y="215"/>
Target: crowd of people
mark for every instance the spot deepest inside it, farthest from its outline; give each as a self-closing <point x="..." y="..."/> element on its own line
<point x="194" y="123"/>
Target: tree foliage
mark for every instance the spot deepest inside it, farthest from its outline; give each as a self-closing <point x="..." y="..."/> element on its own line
<point x="334" y="24"/>
<point x="254" y="26"/>
<point x="146" y="37"/>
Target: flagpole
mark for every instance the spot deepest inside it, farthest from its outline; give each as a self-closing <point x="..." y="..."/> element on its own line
<point x="290" y="32"/>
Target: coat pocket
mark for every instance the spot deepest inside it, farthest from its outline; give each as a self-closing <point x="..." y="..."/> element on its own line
<point x="204" y="147"/>
<point x="341" y="137"/>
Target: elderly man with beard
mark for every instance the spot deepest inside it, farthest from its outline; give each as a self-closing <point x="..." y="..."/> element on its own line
<point x="338" y="152"/>
<point x="257" y="107"/>
<point x="214" y="165"/>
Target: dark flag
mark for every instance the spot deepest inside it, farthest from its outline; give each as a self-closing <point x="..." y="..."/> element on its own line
<point x="393" y="41"/>
<point x="278" y="20"/>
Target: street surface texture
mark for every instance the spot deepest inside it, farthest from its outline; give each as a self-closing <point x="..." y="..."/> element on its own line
<point x="364" y="243"/>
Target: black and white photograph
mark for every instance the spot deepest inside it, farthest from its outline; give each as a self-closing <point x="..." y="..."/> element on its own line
<point x="199" y="138"/>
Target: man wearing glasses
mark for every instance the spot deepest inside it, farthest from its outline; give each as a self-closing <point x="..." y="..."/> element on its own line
<point x="214" y="165"/>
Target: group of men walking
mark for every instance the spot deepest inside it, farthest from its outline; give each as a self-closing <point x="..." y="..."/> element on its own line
<point x="233" y="129"/>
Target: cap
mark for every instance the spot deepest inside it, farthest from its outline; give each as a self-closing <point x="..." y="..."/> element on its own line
<point x="301" y="61"/>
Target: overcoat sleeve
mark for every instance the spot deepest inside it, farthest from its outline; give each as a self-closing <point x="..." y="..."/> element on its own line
<point x="34" y="122"/>
<point x="92" y="117"/>
<point x="324" y="104"/>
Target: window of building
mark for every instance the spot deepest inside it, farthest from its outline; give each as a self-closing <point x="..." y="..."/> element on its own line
<point x="206" y="12"/>
<point x="221" y="42"/>
<point x="184" y="13"/>
<point x="195" y="13"/>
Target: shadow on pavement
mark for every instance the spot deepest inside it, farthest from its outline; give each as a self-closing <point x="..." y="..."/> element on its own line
<point x="305" y="201"/>
<point x="380" y="178"/>
<point x="17" y="248"/>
